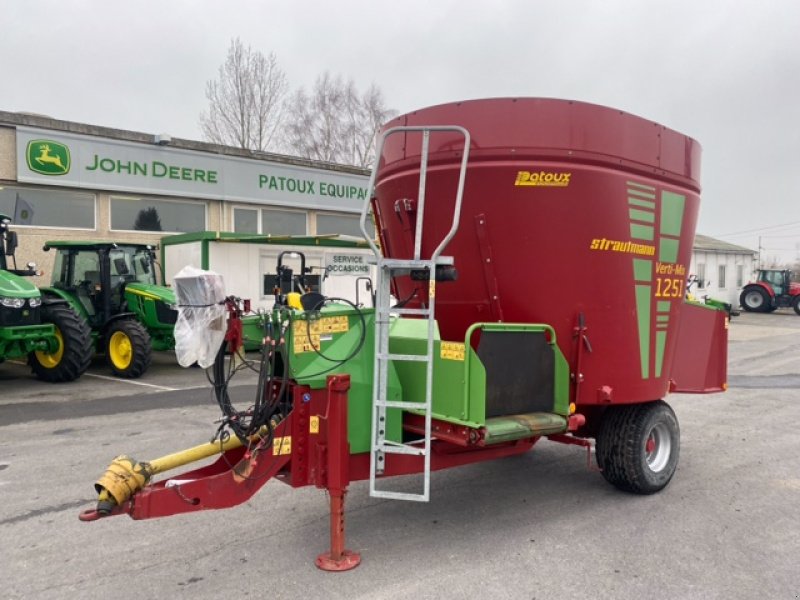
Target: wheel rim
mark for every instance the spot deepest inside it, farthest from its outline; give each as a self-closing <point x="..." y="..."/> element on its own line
<point x="658" y="447"/>
<point x="52" y="360"/>
<point x="754" y="300"/>
<point x="120" y="350"/>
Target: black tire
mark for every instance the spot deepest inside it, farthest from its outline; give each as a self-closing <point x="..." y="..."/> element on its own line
<point x="638" y="446"/>
<point x="128" y="348"/>
<point x="754" y="299"/>
<point x="75" y="352"/>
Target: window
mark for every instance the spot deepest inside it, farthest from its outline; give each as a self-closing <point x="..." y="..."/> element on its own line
<point x="701" y="275"/>
<point x="721" y="277"/>
<point x="343" y="225"/>
<point x="739" y="276"/>
<point x="245" y="220"/>
<point x="147" y="214"/>
<point x="47" y="207"/>
<point x="283" y="222"/>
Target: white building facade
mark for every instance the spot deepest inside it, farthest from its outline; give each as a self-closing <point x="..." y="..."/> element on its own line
<point x="722" y="269"/>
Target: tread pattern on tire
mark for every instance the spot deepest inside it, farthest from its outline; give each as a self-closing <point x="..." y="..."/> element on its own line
<point x="77" y="337"/>
<point x="142" y="348"/>
<point x="617" y="450"/>
<point x="765" y="304"/>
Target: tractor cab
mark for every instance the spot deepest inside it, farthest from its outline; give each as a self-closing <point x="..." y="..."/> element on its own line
<point x="8" y="248"/>
<point x="778" y="280"/>
<point x="96" y="274"/>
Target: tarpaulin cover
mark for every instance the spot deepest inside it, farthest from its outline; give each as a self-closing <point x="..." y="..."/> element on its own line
<point x="200" y="329"/>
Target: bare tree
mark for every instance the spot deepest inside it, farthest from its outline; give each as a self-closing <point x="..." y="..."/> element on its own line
<point x="245" y="102"/>
<point x="335" y="123"/>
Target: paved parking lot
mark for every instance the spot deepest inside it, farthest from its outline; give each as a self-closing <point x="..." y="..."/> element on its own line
<point x="538" y="526"/>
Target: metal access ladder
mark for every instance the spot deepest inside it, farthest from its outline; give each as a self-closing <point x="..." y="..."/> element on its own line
<point x="384" y="312"/>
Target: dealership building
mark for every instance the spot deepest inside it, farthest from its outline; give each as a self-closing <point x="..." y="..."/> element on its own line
<point x="72" y="181"/>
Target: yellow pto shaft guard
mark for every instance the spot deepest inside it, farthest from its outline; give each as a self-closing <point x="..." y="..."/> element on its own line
<point x="125" y="475"/>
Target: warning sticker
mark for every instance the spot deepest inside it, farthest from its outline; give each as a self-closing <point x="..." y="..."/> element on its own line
<point x="313" y="424"/>
<point x="452" y="351"/>
<point x="320" y="330"/>
<point x="282" y="445"/>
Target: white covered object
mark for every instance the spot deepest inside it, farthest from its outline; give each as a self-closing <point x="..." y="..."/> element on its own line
<point x="201" y="325"/>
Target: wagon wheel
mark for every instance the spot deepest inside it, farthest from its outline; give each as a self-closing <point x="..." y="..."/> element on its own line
<point x="638" y="446"/>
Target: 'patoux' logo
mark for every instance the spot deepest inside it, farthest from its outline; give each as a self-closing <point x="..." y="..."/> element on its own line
<point x="48" y="157"/>
<point x="542" y="179"/>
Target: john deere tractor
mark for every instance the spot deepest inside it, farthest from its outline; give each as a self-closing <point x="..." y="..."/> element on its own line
<point x="45" y="330"/>
<point x="113" y="287"/>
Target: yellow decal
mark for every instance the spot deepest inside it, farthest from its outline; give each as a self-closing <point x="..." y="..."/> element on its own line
<point x="452" y="351"/>
<point x="142" y="293"/>
<point x="432" y="289"/>
<point x="542" y="179"/>
<point x="670" y="280"/>
<point x="313" y="424"/>
<point x="282" y="445"/>
<point x="626" y="247"/>
<point x="324" y="327"/>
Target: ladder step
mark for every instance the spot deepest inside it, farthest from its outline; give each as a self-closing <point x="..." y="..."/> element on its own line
<point x="399" y="495"/>
<point x="402" y="263"/>
<point x="400" y="449"/>
<point x="403" y="357"/>
<point x="400" y="404"/>
<point x="406" y="311"/>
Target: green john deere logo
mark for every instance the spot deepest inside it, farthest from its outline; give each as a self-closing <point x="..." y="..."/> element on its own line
<point x="48" y="157"/>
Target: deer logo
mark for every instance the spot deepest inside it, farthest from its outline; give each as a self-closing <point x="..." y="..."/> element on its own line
<point x="48" y="157"/>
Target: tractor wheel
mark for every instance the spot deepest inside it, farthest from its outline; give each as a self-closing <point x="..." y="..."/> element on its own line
<point x="74" y="352"/>
<point x="796" y="304"/>
<point x="638" y="446"/>
<point x="128" y="348"/>
<point x="754" y="300"/>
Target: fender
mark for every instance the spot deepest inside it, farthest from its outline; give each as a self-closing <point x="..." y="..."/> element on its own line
<point x="52" y="296"/>
<point x="763" y="286"/>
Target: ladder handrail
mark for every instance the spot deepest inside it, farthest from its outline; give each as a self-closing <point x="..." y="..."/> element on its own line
<point x="425" y="130"/>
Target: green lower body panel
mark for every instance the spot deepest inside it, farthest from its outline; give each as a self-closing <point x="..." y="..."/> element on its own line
<point x="18" y="341"/>
<point x="517" y="427"/>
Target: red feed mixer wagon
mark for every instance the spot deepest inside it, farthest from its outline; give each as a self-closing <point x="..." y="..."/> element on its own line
<point x="532" y="257"/>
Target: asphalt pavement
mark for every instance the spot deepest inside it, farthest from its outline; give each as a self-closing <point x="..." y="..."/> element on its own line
<point x="541" y="525"/>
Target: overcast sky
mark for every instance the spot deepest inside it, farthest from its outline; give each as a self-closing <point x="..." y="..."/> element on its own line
<point x="722" y="71"/>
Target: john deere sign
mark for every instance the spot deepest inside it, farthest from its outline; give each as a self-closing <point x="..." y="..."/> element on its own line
<point x="46" y="157"/>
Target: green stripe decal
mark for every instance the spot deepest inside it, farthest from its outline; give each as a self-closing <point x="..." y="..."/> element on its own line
<point x="642" y="269"/>
<point x="643" y="203"/>
<point x="668" y="250"/>
<point x="641" y="215"/>
<point x="663" y="306"/>
<point x="662" y="318"/>
<point x="643" y="318"/>
<point x="672" y="213"/>
<point x="635" y="187"/>
<point x="642" y="232"/>
<point x="661" y="342"/>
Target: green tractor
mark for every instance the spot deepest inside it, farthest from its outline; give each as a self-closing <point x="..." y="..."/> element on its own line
<point x="113" y="287"/>
<point x="45" y="330"/>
